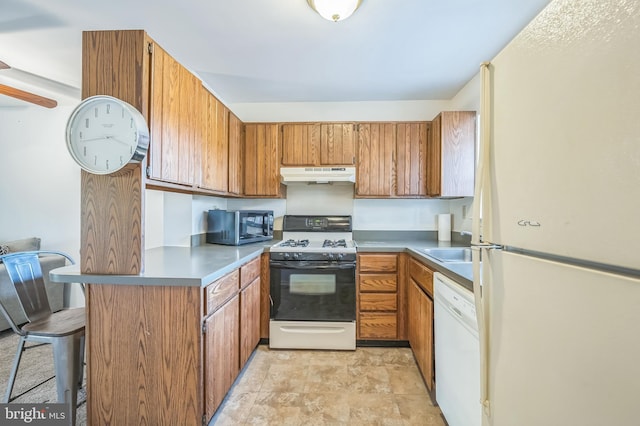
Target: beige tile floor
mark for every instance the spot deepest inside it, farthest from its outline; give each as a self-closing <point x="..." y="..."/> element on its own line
<point x="369" y="386"/>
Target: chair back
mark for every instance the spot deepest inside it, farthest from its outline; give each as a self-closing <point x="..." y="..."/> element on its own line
<point x="25" y="273"/>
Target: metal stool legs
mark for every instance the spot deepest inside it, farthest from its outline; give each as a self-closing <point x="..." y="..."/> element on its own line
<point x="66" y="358"/>
<point x="14" y="369"/>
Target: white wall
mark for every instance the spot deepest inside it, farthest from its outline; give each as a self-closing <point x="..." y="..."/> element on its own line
<point x="40" y="184"/>
<point x="468" y="98"/>
<point x="172" y="218"/>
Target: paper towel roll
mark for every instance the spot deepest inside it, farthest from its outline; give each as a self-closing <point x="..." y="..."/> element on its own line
<point x="444" y="227"/>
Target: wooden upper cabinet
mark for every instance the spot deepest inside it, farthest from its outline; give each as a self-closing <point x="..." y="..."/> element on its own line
<point x="300" y="144"/>
<point x="215" y="150"/>
<point x="318" y="144"/>
<point x="376" y="145"/>
<point x="337" y="144"/>
<point x="411" y="159"/>
<point x="451" y="158"/>
<point x="236" y="137"/>
<point x="261" y="160"/>
<point x="173" y="120"/>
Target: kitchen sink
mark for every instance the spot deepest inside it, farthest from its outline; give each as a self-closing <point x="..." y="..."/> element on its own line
<point x="454" y="254"/>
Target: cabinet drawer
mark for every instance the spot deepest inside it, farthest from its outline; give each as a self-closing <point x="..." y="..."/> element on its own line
<point x="221" y="290"/>
<point x="378" y="282"/>
<point x="421" y="275"/>
<point x="378" y="263"/>
<point x="378" y="302"/>
<point x="249" y="272"/>
<point x="378" y="325"/>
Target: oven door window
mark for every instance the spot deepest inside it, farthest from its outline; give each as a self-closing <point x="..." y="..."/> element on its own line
<point x="324" y="294"/>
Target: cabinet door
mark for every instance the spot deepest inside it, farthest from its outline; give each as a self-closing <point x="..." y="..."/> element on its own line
<point x="411" y="159"/>
<point x="249" y="320"/>
<point x="414" y="319"/>
<point x="261" y="171"/>
<point x="215" y="154"/>
<point x="420" y="317"/>
<point x="221" y="358"/>
<point x="236" y="135"/>
<point x="451" y="158"/>
<point x="300" y="144"/>
<point x="376" y="145"/>
<point x="433" y="157"/>
<point x="337" y="144"/>
<point x="173" y="120"/>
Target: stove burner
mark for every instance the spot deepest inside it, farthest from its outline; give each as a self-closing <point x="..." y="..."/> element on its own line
<point x="334" y="243"/>
<point x="294" y="243"/>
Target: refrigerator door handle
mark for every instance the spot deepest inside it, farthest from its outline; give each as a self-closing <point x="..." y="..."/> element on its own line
<point x="487" y="246"/>
<point x="481" y="302"/>
<point x="477" y="244"/>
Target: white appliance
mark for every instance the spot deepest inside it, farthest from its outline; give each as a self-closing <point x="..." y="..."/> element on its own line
<point x="318" y="174"/>
<point x="558" y="184"/>
<point x="457" y="353"/>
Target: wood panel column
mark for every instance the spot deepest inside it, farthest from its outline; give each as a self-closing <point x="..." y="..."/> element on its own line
<point x="114" y="63"/>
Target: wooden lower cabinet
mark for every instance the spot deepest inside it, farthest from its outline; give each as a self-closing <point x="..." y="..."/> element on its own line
<point x="232" y="332"/>
<point x="221" y="357"/>
<point x="249" y="309"/>
<point x="420" y="319"/>
<point x="143" y="349"/>
<point x="159" y="354"/>
<point x="377" y="296"/>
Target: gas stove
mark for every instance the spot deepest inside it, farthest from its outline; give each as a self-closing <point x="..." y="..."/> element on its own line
<point x="315" y="238"/>
<point x="312" y="284"/>
<point x="340" y="245"/>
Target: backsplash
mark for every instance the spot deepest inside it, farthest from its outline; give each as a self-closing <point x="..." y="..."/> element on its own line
<point x="180" y="219"/>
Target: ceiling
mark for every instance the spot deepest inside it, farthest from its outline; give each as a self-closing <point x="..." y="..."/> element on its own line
<point x="279" y="50"/>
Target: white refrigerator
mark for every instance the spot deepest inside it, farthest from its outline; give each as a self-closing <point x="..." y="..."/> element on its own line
<point x="557" y="220"/>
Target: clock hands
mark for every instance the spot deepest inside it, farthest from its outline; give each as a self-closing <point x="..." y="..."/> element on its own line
<point x="111" y="137"/>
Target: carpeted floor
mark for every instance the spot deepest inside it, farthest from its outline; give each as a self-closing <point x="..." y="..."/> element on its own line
<point x="36" y="366"/>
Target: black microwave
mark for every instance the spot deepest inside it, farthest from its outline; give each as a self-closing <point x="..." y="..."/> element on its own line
<point x="239" y="227"/>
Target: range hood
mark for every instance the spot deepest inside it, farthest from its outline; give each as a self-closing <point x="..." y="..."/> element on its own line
<point x="318" y="174"/>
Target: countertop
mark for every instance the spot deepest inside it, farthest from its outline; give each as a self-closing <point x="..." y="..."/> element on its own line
<point x="201" y="265"/>
<point x="174" y="266"/>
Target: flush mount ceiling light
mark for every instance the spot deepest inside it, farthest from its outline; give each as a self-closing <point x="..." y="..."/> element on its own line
<point x="334" y="10"/>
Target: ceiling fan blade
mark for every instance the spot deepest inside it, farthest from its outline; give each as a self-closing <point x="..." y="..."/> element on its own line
<point x="28" y="97"/>
<point x="30" y="79"/>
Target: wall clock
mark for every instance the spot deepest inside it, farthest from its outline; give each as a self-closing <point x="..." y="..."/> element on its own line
<point x="104" y="134"/>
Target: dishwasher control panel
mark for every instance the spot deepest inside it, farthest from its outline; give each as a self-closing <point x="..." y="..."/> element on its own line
<point x="457" y="299"/>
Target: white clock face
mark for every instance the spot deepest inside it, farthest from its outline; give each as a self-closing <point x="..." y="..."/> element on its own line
<point x="104" y="134"/>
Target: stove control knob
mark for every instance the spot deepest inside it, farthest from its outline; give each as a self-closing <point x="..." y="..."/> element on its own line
<point x="296" y="255"/>
<point x="340" y="256"/>
<point x="287" y="256"/>
<point x="331" y="256"/>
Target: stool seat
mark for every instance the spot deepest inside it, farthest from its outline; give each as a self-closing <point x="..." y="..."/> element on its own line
<point x="61" y="323"/>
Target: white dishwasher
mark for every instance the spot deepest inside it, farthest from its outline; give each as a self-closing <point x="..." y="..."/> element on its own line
<point x="457" y="353"/>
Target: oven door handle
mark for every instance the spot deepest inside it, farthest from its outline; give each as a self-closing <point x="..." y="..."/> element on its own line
<point x="307" y="265"/>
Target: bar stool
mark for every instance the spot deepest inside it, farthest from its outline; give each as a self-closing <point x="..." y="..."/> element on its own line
<point x="64" y="329"/>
